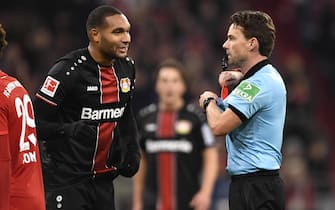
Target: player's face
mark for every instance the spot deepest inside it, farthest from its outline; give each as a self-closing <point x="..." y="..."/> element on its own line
<point x="236" y="46"/>
<point x="169" y="86"/>
<point x="115" y="37"/>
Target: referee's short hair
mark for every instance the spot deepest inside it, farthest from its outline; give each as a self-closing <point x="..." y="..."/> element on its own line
<point x="257" y="24"/>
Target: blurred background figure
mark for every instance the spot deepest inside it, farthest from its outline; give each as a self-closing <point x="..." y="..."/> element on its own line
<point x="39" y="32"/>
<point x="179" y="161"/>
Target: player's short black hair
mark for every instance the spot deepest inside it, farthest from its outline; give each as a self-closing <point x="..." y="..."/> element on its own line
<point x="97" y="16"/>
<point x="3" y="42"/>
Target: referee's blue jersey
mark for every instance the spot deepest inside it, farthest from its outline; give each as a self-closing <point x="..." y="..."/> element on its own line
<point x="260" y="101"/>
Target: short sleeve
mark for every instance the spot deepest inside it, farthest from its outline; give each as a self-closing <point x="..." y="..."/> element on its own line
<point x="248" y="97"/>
<point x="56" y="83"/>
<point x="3" y="116"/>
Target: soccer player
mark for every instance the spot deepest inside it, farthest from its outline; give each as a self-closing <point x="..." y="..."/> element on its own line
<point x="179" y="162"/>
<point x="84" y="115"/>
<point x="21" y="182"/>
<point x="253" y="115"/>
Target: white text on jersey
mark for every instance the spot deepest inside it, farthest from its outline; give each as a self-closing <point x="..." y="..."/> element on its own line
<point x="101" y="114"/>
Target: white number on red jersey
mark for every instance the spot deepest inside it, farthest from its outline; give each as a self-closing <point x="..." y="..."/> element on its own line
<point x="22" y="110"/>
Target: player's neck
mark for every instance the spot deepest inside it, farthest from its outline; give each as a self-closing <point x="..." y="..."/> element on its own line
<point x="171" y="107"/>
<point x="98" y="57"/>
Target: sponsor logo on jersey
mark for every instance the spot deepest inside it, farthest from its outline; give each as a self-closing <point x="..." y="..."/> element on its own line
<point x="125" y="85"/>
<point x="101" y="114"/>
<point x="92" y="88"/>
<point x="168" y="145"/>
<point x="183" y="127"/>
<point x="246" y="91"/>
<point x="50" y="86"/>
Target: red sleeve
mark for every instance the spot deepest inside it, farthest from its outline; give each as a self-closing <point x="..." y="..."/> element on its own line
<point x="4" y="172"/>
<point x="4" y="158"/>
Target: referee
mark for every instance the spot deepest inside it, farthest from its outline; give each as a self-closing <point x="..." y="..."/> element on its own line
<point x="252" y="116"/>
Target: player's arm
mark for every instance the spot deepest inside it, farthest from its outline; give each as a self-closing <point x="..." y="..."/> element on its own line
<point x="49" y="98"/>
<point x="5" y="157"/>
<point x="4" y="172"/>
<point x="44" y="114"/>
<point x="202" y="199"/>
<point x="129" y="138"/>
<point x="139" y="184"/>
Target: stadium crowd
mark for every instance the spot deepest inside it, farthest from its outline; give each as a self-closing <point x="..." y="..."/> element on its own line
<point x="192" y="31"/>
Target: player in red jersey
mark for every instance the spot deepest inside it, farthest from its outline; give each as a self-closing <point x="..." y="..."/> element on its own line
<point x="21" y="183"/>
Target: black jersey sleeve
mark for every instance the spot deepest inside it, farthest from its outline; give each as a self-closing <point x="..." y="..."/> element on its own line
<point x="48" y="99"/>
<point x="131" y="139"/>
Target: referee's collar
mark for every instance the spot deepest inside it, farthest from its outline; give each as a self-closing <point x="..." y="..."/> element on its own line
<point x="256" y="68"/>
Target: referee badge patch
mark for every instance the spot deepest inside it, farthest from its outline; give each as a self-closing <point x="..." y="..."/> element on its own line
<point x="246" y="90"/>
<point x="125" y="85"/>
<point x="50" y="86"/>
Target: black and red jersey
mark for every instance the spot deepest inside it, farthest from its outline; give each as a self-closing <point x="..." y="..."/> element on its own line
<point x="172" y="143"/>
<point x="77" y="88"/>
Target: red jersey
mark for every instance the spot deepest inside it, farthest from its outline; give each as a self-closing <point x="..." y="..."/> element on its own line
<point x="20" y="175"/>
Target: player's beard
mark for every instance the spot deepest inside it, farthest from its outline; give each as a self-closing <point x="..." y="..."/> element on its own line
<point x="110" y="50"/>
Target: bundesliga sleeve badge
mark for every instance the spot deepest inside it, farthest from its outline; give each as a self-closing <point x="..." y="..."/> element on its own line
<point x="50" y="86"/>
<point x="125" y="85"/>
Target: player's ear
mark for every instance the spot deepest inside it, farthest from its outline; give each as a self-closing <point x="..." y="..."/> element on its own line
<point x="94" y="35"/>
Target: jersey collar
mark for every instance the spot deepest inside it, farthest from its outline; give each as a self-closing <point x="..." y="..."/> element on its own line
<point x="256" y="68"/>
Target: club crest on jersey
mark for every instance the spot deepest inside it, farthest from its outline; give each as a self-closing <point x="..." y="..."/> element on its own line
<point x="50" y="86"/>
<point x="183" y="127"/>
<point x="125" y="85"/>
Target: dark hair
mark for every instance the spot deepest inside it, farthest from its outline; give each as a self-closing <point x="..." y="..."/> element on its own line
<point x="97" y="16"/>
<point x="259" y="25"/>
<point x="3" y="42"/>
<point x="181" y="69"/>
<point x="173" y="63"/>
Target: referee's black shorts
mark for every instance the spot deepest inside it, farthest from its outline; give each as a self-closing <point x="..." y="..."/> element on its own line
<point x="262" y="190"/>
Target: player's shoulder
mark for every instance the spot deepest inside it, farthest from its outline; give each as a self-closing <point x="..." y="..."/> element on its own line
<point x="148" y="110"/>
<point x="81" y="54"/>
<point x="71" y="62"/>
<point x="128" y="60"/>
<point x="7" y="81"/>
<point x="8" y="84"/>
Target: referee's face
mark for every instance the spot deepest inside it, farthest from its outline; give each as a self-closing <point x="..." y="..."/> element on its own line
<point x="115" y="37"/>
<point x="237" y="46"/>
